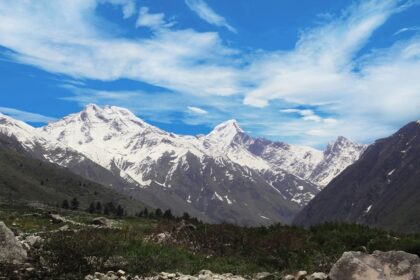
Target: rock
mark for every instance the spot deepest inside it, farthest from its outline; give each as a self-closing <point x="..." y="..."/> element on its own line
<point x="160" y="238"/>
<point x="11" y="251"/>
<point x="263" y="276"/>
<point x="34" y="241"/>
<point x="64" y="228"/>
<point x="120" y="272"/>
<point x="205" y="275"/>
<point x="102" y="221"/>
<point x="318" y="276"/>
<point x="301" y="275"/>
<point x="57" y="218"/>
<point x="378" y="266"/>
<point x="289" y="277"/>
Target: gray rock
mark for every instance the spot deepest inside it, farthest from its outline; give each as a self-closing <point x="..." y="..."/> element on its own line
<point x="64" y="228"/>
<point x="289" y="277"/>
<point x="57" y="218"/>
<point x="102" y="221"/>
<point x="318" y="276"/>
<point x="11" y="251"/>
<point x="378" y="266"/>
<point x="264" y="276"/>
<point x="301" y="275"/>
<point x="34" y="241"/>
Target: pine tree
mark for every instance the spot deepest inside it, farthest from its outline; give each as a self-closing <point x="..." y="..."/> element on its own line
<point x="74" y="204"/>
<point x="106" y="210"/>
<point x="65" y="204"/>
<point x="168" y="214"/>
<point x="158" y="213"/>
<point x="91" y="208"/>
<point x="186" y="216"/>
<point x="120" y="211"/>
<point x="98" y="207"/>
<point x="146" y="212"/>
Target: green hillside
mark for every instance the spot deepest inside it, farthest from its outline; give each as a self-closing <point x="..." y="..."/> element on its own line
<point x="24" y="179"/>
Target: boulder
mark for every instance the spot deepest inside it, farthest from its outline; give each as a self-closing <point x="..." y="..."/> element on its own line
<point x="377" y="266"/>
<point x="318" y="276"/>
<point x="102" y="221"/>
<point x="301" y="275"/>
<point x="57" y="218"/>
<point x="264" y="276"/>
<point x="11" y="251"/>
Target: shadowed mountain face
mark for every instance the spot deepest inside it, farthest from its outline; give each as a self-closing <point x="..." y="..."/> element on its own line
<point x="381" y="189"/>
<point x="26" y="179"/>
<point x="224" y="176"/>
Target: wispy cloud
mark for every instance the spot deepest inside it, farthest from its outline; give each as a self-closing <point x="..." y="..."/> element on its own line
<point x="128" y="6"/>
<point x="309" y="115"/>
<point x="153" y="21"/>
<point x="63" y="37"/>
<point x="25" y="116"/>
<point x="408" y="29"/>
<point x="204" y="11"/>
<point x="197" y="110"/>
<point x="337" y="91"/>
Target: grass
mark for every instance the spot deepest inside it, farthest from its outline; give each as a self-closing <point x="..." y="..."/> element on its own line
<point x="219" y="248"/>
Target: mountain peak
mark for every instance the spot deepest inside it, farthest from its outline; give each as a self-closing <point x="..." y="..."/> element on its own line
<point x="230" y="125"/>
<point x="226" y="131"/>
<point x="107" y="110"/>
<point x="92" y="106"/>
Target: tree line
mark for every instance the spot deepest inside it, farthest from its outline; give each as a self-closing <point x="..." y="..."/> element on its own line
<point x="97" y="207"/>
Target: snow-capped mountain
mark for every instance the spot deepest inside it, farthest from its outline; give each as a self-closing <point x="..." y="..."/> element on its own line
<point x="337" y="156"/>
<point x="224" y="176"/>
<point x="381" y="189"/>
<point x="25" y="139"/>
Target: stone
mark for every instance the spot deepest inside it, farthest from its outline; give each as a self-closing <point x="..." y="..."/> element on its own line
<point x="264" y="276"/>
<point x="11" y="251"/>
<point x="34" y="241"/>
<point x="57" y="218"/>
<point x="377" y="266"/>
<point x="64" y="228"/>
<point x="205" y="275"/>
<point x="318" y="276"/>
<point x="289" y="277"/>
<point x="301" y="275"/>
<point x="102" y="221"/>
<point x="120" y="272"/>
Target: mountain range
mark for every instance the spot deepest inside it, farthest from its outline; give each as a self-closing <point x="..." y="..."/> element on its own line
<point x="381" y="189"/>
<point x="224" y="176"/>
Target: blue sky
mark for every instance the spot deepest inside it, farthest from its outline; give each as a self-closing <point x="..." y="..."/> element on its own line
<point x="299" y="71"/>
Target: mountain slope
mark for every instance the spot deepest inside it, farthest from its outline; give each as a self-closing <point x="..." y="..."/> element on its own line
<point x="381" y="189"/>
<point x="23" y="178"/>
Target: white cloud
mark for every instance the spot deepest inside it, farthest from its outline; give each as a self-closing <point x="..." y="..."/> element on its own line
<point x="25" y="116"/>
<point x="128" y="6"/>
<point x="206" y="13"/>
<point x="63" y="37"/>
<point x="361" y="97"/>
<point x="153" y="21"/>
<point x="309" y="115"/>
<point x="408" y="29"/>
<point x="369" y="96"/>
<point x="197" y="110"/>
